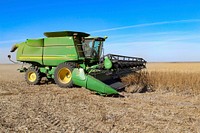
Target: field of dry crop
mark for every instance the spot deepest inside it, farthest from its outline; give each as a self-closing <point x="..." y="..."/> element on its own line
<point x="172" y="106"/>
<point x="173" y="77"/>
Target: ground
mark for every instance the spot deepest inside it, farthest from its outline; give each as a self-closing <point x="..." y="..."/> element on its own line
<point x="48" y="108"/>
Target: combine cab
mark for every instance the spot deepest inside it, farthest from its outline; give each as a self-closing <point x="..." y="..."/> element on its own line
<point x="75" y="58"/>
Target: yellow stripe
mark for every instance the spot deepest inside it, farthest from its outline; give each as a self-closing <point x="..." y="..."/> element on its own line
<point x="35" y="57"/>
<point x="45" y="57"/>
<point x="28" y="57"/>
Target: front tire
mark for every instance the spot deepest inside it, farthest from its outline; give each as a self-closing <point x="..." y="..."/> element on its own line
<point x="33" y="76"/>
<point x="63" y="75"/>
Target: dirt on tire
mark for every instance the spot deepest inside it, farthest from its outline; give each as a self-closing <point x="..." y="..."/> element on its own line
<point x="49" y="108"/>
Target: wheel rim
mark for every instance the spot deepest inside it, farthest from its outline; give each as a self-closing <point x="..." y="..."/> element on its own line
<point x="32" y="76"/>
<point x="64" y="75"/>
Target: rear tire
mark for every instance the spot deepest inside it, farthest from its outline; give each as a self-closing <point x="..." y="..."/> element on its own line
<point x="63" y="75"/>
<point x="33" y="76"/>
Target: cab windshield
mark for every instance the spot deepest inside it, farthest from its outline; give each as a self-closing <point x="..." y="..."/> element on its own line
<point x="92" y="48"/>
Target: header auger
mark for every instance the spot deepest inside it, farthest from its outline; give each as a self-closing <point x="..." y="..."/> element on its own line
<point x="75" y="58"/>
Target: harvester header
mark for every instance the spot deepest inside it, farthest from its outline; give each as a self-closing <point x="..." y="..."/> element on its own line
<point x="75" y="58"/>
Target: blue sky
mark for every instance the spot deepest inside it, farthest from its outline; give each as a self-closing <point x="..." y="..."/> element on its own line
<point x="157" y="30"/>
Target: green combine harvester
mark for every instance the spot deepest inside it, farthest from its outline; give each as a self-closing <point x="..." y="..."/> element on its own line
<point x="75" y="58"/>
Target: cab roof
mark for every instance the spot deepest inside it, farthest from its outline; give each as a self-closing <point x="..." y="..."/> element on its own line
<point x="65" y="33"/>
<point x="96" y="38"/>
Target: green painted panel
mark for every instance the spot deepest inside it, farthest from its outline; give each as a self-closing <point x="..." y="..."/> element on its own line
<point x="28" y="53"/>
<point x="58" y="41"/>
<point x="48" y="51"/>
<point x="81" y="79"/>
<point x="32" y="51"/>
<point x="35" y="42"/>
<point x="58" y="54"/>
<point x="19" y="50"/>
<point x="53" y="62"/>
<point x="107" y="63"/>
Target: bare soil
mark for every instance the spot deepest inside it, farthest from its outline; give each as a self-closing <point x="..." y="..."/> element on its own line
<point x="48" y="108"/>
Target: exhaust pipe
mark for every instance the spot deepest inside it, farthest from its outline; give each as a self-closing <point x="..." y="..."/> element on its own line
<point x="14" y="47"/>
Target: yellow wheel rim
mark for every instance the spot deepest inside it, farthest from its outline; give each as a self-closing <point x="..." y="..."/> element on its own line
<point x="32" y="76"/>
<point x="64" y="75"/>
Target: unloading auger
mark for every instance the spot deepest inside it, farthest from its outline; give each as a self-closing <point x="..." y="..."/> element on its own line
<point x="75" y="58"/>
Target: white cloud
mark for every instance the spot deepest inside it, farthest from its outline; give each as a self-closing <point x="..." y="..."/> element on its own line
<point x="157" y="50"/>
<point x="148" y="24"/>
<point x="11" y="41"/>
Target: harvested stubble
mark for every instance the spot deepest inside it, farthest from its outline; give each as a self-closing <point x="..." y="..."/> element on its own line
<point x="49" y="108"/>
<point x="187" y="82"/>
